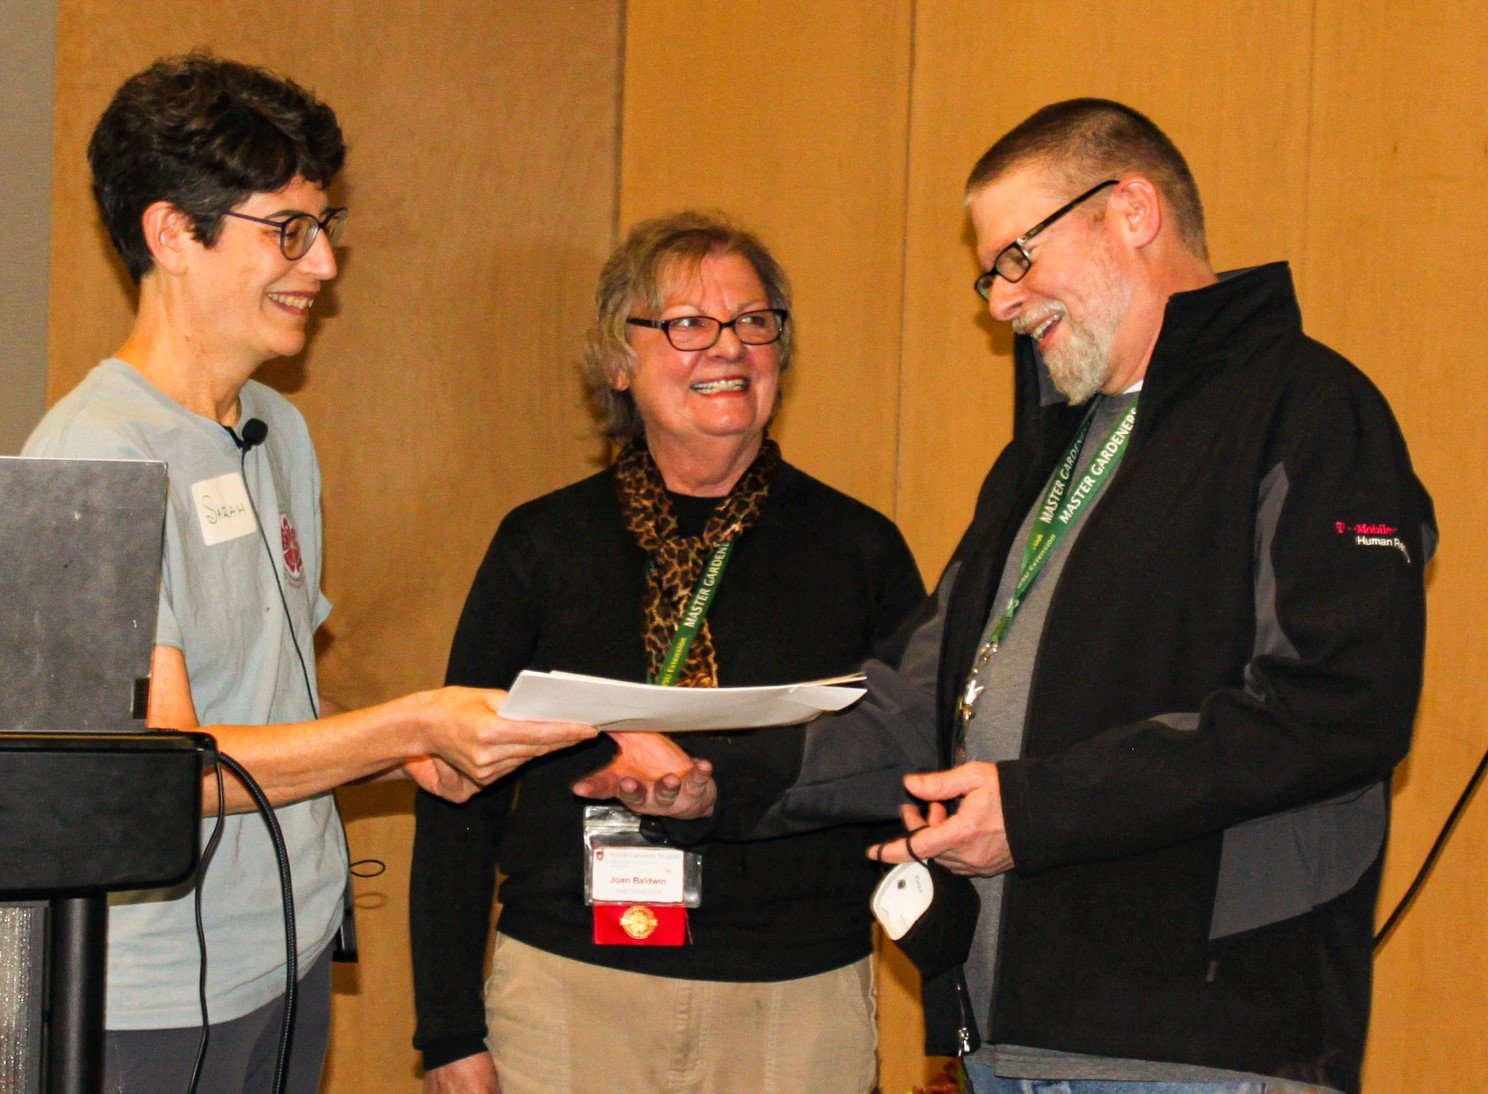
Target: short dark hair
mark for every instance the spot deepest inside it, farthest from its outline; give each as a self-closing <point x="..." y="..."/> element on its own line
<point x="633" y="278"/>
<point x="1086" y="140"/>
<point x="204" y="133"/>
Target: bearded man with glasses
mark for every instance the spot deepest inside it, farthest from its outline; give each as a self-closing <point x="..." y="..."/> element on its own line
<point x="1169" y="744"/>
<point x="211" y="179"/>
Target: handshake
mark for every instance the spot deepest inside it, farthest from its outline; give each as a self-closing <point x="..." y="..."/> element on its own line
<point x="463" y="744"/>
<point x="459" y="743"/>
<point x="650" y="774"/>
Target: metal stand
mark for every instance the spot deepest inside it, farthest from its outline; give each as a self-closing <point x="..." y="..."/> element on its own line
<point x="74" y="1051"/>
<point x="86" y="815"/>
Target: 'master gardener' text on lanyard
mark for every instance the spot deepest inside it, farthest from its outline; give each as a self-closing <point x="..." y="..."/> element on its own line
<point x="1051" y="521"/>
<point x="693" y="615"/>
<point x="639" y="886"/>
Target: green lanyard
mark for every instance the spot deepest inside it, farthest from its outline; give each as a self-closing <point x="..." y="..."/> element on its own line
<point x="1055" y="515"/>
<point x="693" y="615"/>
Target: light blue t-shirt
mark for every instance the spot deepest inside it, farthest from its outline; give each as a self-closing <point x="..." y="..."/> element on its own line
<point x="220" y="607"/>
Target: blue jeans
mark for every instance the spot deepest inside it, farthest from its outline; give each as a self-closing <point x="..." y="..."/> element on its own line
<point x="983" y="1080"/>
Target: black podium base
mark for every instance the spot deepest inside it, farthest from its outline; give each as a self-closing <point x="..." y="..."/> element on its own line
<point x="82" y="815"/>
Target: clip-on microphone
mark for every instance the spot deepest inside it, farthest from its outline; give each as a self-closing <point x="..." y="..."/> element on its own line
<point x="254" y="433"/>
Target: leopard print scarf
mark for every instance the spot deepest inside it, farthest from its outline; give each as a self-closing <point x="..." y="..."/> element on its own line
<point x="676" y="562"/>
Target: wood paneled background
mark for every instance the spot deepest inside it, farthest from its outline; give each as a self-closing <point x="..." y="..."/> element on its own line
<point x="497" y="148"/>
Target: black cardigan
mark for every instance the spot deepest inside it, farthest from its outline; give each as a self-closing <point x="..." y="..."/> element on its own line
<point x="808" y="592"/>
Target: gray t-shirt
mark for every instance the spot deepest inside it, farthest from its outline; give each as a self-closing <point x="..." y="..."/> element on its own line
<point x="220" y="607"/>
<point x="996" y="728"/>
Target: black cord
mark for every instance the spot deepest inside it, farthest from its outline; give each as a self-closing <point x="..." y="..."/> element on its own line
<point x="294" y="639"/>
<point x="291" y="949"/>
<point x="286" y="888"/>
<point x="1435" y="853"/>
<point x="201" y="932"/>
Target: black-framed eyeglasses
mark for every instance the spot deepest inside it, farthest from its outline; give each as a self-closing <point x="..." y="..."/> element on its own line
<point x="694" y="332"/>
<point x="297" y="231"/>
<point x="1012" y="261"/>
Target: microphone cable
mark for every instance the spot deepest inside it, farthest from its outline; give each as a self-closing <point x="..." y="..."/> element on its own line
<point x="201" y="931"/>
<point x="1431" y="856"/>
<point x="286" y="891"/>
<point x="255" y="432"/>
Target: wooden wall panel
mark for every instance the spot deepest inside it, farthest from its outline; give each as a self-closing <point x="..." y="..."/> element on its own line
<point x="791" y="118"/>
<point x="27" y="60"/>
<point x="440" y="383"/>
<point x="979" y="69"/>
<point x="1399" y="167"/>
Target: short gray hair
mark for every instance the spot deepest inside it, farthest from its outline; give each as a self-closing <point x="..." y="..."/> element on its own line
<point x="1085" y="140"/>
<point x="632" y="277"/>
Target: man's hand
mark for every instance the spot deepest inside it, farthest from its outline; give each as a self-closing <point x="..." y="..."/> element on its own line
<point x="439" y="778"/>
<point x="652" y="774"/>
<point x="472" y="1075"/>
<point x="973" y="840"/>
<point x="462" y="728"/>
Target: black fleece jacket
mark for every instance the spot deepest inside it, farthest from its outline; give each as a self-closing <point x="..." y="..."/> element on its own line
<point x="1227" y="676"/>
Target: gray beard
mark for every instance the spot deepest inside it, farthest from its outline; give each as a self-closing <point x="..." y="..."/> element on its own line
<point x="1081" y="366"/>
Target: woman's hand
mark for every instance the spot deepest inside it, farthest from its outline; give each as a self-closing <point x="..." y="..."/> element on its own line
<point x="472" y="1075"/>
<point x="437" y="777"/>
<point x="651" y="774"/>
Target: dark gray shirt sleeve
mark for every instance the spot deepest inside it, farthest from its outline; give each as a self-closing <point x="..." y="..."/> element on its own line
<point x="853" y="764"/>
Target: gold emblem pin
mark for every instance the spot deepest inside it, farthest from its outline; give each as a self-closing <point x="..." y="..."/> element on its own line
<point x="638" y="921"/>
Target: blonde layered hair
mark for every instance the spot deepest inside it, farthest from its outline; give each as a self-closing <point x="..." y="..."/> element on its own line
<point x="631" y="284"/>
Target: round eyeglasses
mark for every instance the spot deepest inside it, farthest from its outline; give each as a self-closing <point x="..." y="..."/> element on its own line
<point x="695" y="332"/>
<point x="297" y="231"/>
<point x="1012" y="262"/>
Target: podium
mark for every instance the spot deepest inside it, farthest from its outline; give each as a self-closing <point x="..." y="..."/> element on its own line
<point x="90" y="801"/>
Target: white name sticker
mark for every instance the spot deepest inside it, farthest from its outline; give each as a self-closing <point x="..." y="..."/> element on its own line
<point x="222" y="509"/>
<point x="638" y="875"/>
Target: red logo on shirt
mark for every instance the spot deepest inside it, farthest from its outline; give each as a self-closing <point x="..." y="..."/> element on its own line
<point x="294" y="564"/>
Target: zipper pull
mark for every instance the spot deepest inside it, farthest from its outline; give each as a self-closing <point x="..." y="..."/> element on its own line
<point x="963" y="1004"/>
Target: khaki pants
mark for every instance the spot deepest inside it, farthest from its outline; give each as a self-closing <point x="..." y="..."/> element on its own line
<point x="561" y="1025"/>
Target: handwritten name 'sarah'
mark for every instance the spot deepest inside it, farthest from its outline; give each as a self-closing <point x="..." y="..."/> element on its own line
<point x="213" y="514"/>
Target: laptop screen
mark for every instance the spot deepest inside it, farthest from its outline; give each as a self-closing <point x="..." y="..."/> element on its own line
<point x="80" y="548"/>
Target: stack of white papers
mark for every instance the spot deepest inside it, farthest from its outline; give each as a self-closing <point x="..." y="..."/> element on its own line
<point x="618" y="705"/>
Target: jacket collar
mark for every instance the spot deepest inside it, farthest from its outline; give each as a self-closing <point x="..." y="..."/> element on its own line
<point x="1245" y="308"/>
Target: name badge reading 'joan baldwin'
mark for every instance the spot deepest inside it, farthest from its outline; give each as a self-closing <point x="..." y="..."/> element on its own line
<point x="223" y="511"/>
<point x="640" y="889"/>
